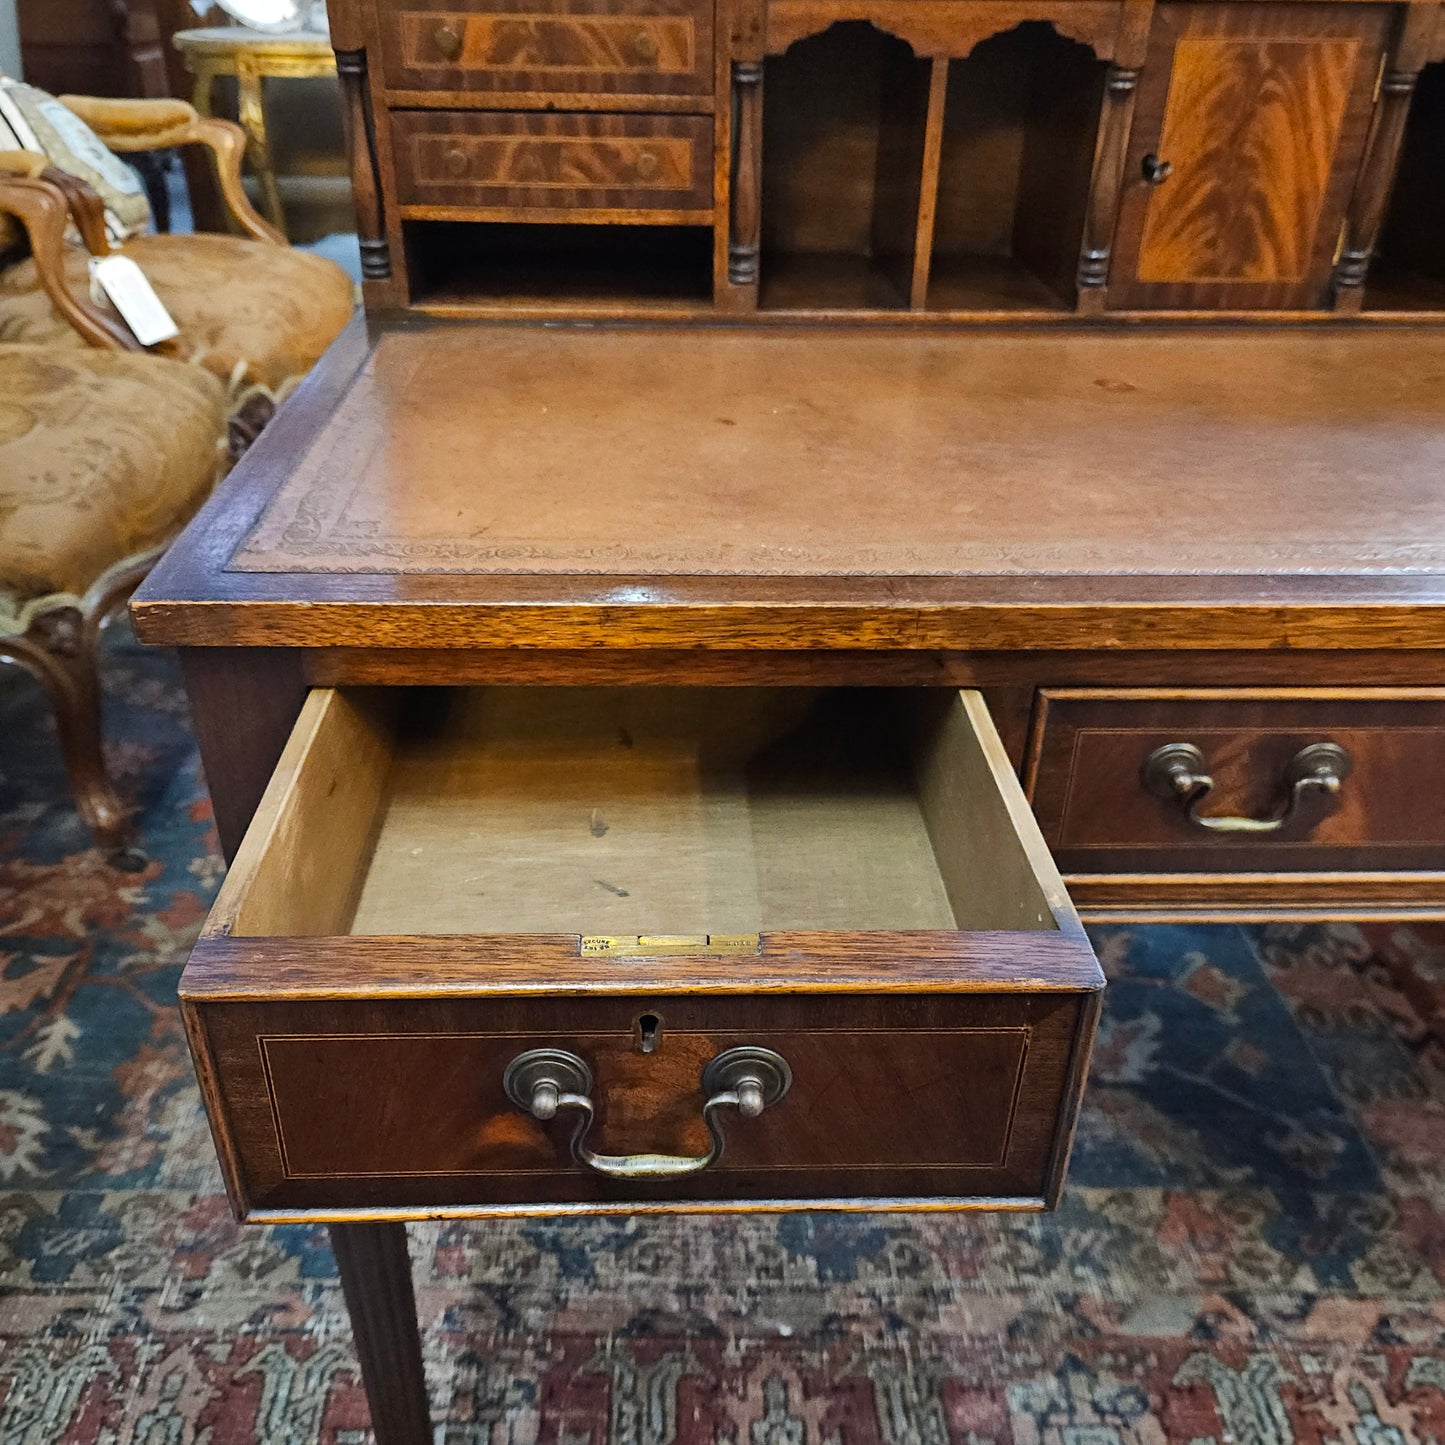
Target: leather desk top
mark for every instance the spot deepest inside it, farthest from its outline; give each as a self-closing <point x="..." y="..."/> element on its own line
<point x="523" y="485"/>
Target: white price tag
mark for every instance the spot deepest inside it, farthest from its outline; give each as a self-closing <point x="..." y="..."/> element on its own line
<point x="134" y="297"/>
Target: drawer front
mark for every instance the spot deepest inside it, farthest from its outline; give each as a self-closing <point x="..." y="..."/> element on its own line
<point x="392" y="1103"/>
<point x="897" y="943"/>
<point x="554" y="162"/>
<point x="1101" y="811"/>
<point x="562" y="47"/>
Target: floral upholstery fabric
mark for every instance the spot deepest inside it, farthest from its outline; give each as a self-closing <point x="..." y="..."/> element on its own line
<point x="268" y="310"/>
<point x="102" y="457"/>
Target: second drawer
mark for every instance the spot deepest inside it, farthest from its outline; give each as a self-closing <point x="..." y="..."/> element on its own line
<point x="657" y="165"/>
<point x="1211" y="779"/>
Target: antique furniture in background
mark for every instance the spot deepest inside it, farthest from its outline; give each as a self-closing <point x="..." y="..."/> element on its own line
<point x="624" y="695"/>
<point x="103" y="458"/>
<point x="96" y="478"/>
<point x="252" y="58"/>
<point x="101" y="47"/>
<point x="250" y="308"/>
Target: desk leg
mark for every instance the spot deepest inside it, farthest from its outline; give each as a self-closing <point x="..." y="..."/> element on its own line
<point x="376" y="1279"/>
<point x="244" y="702"/>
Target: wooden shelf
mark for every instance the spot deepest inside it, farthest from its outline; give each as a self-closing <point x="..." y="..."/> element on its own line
<point x="820" y="281"/>
<point x="989" y="283"/>
<point x="457" y="266"/>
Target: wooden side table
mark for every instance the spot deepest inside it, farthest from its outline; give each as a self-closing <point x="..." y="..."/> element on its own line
<point x="253" y="57"/>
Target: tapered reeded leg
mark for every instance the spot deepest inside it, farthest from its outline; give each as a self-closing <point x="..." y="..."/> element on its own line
<point x="376" y="1280"/>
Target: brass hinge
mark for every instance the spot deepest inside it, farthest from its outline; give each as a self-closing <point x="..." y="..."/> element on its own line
<point x="650" y="945"/>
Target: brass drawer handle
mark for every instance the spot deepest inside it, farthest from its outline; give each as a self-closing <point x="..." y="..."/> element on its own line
<point x="447" y="40"/>
<point x="1177" y="770"/>
<point x="644" y="47"/>
<point x="546" y="1081"/>
<point x="455" y="159"/>
<point x="646" y="166"/>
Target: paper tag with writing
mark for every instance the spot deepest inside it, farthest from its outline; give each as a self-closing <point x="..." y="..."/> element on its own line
<point x="134" y="297"/>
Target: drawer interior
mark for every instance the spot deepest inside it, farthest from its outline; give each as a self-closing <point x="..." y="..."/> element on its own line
<point x="640" y="812"/>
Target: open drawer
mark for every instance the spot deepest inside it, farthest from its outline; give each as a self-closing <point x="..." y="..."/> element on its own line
<point x="513" y="949"/>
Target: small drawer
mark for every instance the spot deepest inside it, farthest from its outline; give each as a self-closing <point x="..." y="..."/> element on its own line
<point x="639" y="48"/>
<point x="545" y="949"/>
<point x="1212" y="780"/>
<point x="557" y="164"/>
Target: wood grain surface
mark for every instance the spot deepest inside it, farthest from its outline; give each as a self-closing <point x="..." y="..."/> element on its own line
<point x="646" y="812"/>
<point x="1090" y="745"/>
<point x="640" y="48"/>
<point x="398" y="1104"/>
<point x="1262" y="112"/>
<point x="556" y="163"/>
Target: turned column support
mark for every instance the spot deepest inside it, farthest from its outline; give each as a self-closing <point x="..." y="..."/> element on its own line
<point x="365" y="180"/>
<point x="1371" y="196"/>
<point x="745" y="230"/>
<point x="1106" y="185"/>
<point x="1366" y="214"/>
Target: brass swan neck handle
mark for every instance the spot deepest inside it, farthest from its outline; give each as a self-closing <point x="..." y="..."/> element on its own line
<point x="1179" y="771"/>
<point x="546" y="1082"/>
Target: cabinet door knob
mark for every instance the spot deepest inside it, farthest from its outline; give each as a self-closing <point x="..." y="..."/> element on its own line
<point x="644" y="47"/>
<point x="646" y="166"/>
<point x="446" y="39"/>
<point x="1155" y="171"/>
<point x="1178" y="771"/>
<point x="546" y="1082"/>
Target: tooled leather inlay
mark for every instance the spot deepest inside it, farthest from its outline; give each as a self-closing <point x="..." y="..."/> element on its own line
<point x="666" y="452"/>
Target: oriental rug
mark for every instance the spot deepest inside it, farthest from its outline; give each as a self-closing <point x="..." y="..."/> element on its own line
<point x="1251" y="1250"/>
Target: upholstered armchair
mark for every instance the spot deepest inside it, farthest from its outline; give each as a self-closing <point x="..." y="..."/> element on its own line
<point x="104" y="456"/>
<point x="105" y="453"/>
<point x="249" y="308"/>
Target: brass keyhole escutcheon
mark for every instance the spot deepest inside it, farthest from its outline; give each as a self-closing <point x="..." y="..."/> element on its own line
<point x="649" y="1033"/>
<point x="645" y="47"/>
<point x="456" y="161"/>
<point x="647" y="166"/>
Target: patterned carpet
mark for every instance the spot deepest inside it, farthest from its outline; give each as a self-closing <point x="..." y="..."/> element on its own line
<point x="1252" y="1249"/>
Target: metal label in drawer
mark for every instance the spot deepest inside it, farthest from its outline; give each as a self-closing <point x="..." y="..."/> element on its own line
<point x="653" y="945"/>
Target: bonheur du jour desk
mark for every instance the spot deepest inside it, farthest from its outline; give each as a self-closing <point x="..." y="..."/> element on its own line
<point x="624" y="740"/>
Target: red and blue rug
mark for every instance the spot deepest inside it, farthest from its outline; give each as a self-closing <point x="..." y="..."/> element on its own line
<point x="1252" y="1249"/>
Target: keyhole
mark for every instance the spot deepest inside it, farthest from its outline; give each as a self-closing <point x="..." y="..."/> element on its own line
<point x="649" y="1031"/>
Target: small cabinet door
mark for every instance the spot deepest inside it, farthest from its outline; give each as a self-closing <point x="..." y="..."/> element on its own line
<point x="1248" y="132"/>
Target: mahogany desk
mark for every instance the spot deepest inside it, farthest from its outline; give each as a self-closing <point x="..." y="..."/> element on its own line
<point x="1114" y="545"/>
